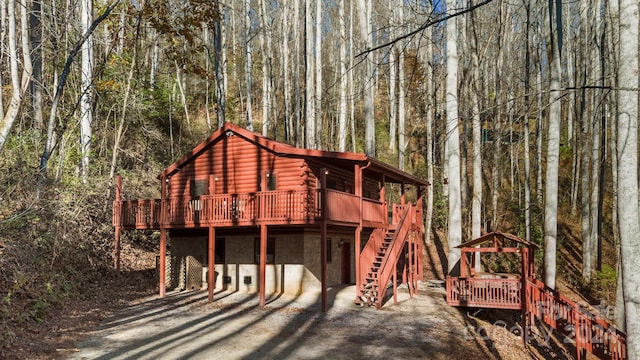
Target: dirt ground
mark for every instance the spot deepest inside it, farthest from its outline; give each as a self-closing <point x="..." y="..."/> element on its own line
<point x="125" y="319"/>
<point x="185" y="325"/>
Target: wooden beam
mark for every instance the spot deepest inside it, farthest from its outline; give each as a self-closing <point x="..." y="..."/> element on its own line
<point x="263" y="263"/>
<point x="357" y="184"/>
<point x="163" y="236"/>
<point x="118" y="223"/>
<point x="493" y="250"/>
<point x="163" y="261"/>
<point x="212" y="263"/>
<point x="323" y="239"/>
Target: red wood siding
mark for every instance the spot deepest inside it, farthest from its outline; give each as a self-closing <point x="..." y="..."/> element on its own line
<point x="239" y="167"/>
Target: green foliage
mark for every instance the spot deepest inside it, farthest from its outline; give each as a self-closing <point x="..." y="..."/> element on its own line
<point x="440" y="207"/>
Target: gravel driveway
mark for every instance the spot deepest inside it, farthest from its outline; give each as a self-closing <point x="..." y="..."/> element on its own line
<point x="184" y="325"/>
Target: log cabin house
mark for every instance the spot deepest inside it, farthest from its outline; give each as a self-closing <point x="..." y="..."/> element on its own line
<point x="272" y="218"/>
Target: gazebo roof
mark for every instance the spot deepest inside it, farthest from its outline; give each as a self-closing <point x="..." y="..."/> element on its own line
<point x="496" y="237"/>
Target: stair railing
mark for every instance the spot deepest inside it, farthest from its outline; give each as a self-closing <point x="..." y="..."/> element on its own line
<point x="390" y="260"/>
<point x="368" y="255"/>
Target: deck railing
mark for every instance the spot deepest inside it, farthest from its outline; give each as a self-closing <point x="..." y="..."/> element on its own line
<point x="343" y="206"/>
<point x="374" y="211"/>
<point x="249" y="208"/>
<point x="589" y="332"/>
<point x="286" y="206"/>
<point x="494" y="293"/>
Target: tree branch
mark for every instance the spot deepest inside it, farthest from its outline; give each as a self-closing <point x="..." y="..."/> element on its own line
<point x="425" y="26"/>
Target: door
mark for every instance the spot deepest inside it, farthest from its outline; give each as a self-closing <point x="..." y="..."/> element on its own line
<point x="345" y="262"/>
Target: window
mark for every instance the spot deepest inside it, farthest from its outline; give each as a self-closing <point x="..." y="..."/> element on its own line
<point x="198" y="187"/>
<point x="271" y="250"/>
<point x="272" y="181"/>
<point x="328" y="250"/>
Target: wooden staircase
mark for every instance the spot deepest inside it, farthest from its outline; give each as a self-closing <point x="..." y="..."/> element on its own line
<point x="385" y="250"/>
<point x="371" y="291"/>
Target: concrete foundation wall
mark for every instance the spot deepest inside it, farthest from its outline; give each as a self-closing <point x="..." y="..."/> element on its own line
<point x="296" y="266"/>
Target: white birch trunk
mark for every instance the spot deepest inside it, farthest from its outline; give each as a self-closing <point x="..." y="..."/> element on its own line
<point x="553" y="154"/>
<point x="342" y="105"/>
<point x="627" y="151"/>
<point x="265" y="71"/>
<point x="248" y="64"/>
<point x="86" y="112"/>
<point x="296" y="73"/>
<point x="318" y="80"/>
<point x="11" y="114"/>
<point x="368" y="85"/>
<point x="402" y="146"/>
<point x="453" y="142"/>
<point x="310" y="121"/>
<point x="392" y="78"/>
<point x="286" y="74"/>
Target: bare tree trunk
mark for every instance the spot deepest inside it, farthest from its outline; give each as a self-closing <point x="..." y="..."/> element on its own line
<point x="318" y="79"/>
<point x="219" y="65"/>
<point x="267" y="73"/>
<point x="310" y="121"/>
<point x="368" y="90"/>
<point x="342" y="105"/>
<point x="351" y="85"/>
<point x="527" y="109"/>
<point x="614" y="109"/>
<point x="553" y="153"/>
<point x="628" y="171"/>
<point x="35" y="24"/>
<point x="453" y="141"/>
<point x="296" y="73"/>
<point x="248" y="63"/>
<point x="183" y="95"/>
<point x="393" y="77"/>
<point x="539" y="132"/>
<point x="86" y="101"/>
<point x="402" y="145"/>
<point x="16" y="91"/>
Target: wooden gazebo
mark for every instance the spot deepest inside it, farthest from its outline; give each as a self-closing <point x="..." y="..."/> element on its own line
<point x="487" y="289"/>
<point x="532" y="297"/>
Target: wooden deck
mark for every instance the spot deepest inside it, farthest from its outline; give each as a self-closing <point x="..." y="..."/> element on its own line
<point x="268" y="207"/>
<point x="496" y="293"/>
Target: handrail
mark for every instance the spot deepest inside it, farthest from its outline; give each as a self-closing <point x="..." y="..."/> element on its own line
<point x="388" y="265"/>
<point x="590" y="332"/>
<point x="368" y="254"/>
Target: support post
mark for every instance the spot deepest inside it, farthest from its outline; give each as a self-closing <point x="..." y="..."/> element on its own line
<point x="263" y="263"/>
<point x="323" y="239"/>
<point x="163" y="261"/>
<point x="358" y="192"/>
<point x="212" y="262"/>
<point x="410" y="264"/>
<point x="163" y="236"/>
<point x="117" y="222"/>
<point x="523" y="293"/>
<point x="395" y="287"/>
